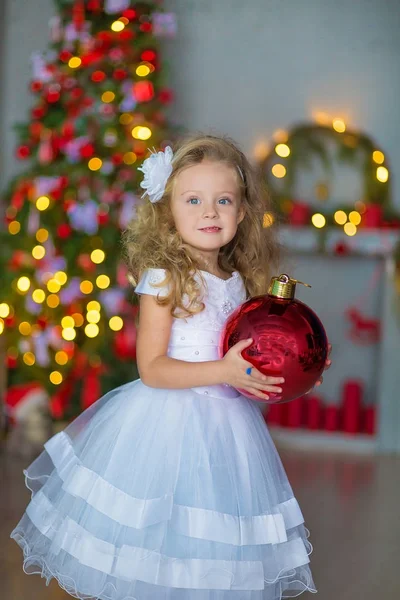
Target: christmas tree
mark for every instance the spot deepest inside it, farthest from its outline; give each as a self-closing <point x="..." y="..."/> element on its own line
<point x="99" y="103"/>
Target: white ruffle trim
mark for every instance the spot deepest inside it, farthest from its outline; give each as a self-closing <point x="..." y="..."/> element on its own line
<point x="190" y="521"/>
<point x="150" y="566"/>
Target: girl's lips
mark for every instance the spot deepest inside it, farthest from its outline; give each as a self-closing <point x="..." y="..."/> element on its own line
<point x="211" y="229"/>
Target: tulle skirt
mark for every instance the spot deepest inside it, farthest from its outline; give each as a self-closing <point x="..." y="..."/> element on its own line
<point x="155" y="494"/>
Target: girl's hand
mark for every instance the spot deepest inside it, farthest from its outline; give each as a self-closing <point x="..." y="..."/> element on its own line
<point x="327" y="365"/>
<point x="234" y="368"/>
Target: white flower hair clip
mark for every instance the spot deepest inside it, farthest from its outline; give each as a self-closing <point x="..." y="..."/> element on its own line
<point x="157" y="168"/>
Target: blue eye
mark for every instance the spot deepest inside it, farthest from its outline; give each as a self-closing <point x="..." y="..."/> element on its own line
<point x="228" y="200"/>
<point x="190" y="200"/>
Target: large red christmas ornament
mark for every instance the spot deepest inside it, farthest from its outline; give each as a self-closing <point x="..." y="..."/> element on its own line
<point x="289" y="340"/>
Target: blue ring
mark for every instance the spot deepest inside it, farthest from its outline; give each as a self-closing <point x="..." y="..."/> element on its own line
<point x="248" y="370"/>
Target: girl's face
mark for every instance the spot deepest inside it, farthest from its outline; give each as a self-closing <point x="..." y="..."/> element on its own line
<point x="206" y="206"/>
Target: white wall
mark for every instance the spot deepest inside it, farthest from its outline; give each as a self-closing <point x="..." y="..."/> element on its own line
<point x="248" y="67"/>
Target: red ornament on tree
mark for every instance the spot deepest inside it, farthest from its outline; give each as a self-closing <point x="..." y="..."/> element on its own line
<point x="143" y="91"/>
<point x="78" y="14"/>
<point x="64" y="231"/>
<point x="289" y="340"/>
<point x="23" y="152"/>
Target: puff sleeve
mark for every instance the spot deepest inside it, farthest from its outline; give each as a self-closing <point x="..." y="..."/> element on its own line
<point x="149" y="277"/>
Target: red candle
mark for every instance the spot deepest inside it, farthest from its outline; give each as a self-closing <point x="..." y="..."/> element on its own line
<point x="331" y="420"/>
<point x="352" y="397"/>
<point x="373" y="215"/>
<point x="370" y="420"/>
<point x="314" y="411"/>
<point x="295" y="413"/>
<point x="273" y="414"/>
<point x="300" y="214"/>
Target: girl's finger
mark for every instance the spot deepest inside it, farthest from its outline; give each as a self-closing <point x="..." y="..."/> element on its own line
<point x="255" y="393"/>
<point x="267" y="388"/>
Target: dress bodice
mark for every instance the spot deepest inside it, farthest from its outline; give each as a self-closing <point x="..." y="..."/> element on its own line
<point x="196" y="338"/>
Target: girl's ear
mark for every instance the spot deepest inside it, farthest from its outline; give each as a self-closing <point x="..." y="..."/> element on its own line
<point x="241" y="213"/>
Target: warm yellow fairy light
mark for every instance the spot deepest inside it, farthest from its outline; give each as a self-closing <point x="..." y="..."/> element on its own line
<point x="350" y="229"/>
<point x="4" y="310"/>
<point x="141" y="133"/>
<point x="95" y="163"/>
<point x="279" y="171"/>
<point x="78" y="319"/>
<point x="86" y="287"/>
<point x="38" y="296"/>
<point x="97" y="256"/>
<point x="280" y="136"/>
<point x="14" y="227"/>
<point x="53" y="301"/>
<point x="1" y="326"/>
<point x="129" y="158"/>
<point x="67" y="322"/>
<point x="282" y="150"/>
<point x="42" y="235"/>
<point x="339" y="125"/>
<point x="93" y="316"/>
<point x="38" y="252"/>
<point x="318" y="220"/>
<point x="382" y="174"/>
<point x="378" y="157"/>
<point x="29" y="358"/>
<point x="268" y="219"/>
<point x="261" y="150"/>
<point x="108" y="96"/>
<point x="25" y="328"/>
<point x="74" y="62"/>
<point x="355" y="217"/>
<point x="103" y="281"/>
<point x="93" y="305"/>
<point x="116" y="323"/>
<point x="322" y="118"/>
<point x="23" y="284"/>
<point x="61" y="357"/>
<point x="92" y="330"/>
<point x="340" y="217"/>
<point x="125" y="118"/>
<point x="61" y="277"/>
<point x="117" y="26"/>
<point x="56" y="377"/>
<point x="53" y="286"/>
<point x="68" y="333"/>
<point x="143" y="70"/>
<point x="42" y="203"/>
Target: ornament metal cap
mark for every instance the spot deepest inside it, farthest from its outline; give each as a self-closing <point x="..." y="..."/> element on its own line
<point x="284" y="286"/>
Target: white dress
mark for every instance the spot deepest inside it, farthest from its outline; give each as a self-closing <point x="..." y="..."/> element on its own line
<point x="168" y="494"/>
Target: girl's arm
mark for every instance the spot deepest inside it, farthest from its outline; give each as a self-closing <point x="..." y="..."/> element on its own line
<point x="158" y="370"/>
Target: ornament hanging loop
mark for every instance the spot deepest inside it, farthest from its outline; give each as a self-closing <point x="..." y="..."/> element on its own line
<point x="284" y="286"/>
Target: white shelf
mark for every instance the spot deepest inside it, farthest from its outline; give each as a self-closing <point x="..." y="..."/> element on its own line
<point x="367" y="242"/>
<point x="304" y="439"/>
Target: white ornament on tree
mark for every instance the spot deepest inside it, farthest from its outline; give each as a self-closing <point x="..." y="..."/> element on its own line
<point x="113" y="6"/>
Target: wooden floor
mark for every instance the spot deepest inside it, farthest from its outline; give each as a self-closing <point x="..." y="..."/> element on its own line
<point x="350" y="504"/>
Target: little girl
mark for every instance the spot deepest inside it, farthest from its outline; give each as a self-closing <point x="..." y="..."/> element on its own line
<point x="169" y="487"/>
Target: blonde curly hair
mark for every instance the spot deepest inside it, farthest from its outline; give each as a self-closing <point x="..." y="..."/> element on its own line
<point x="152" y="241"/>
